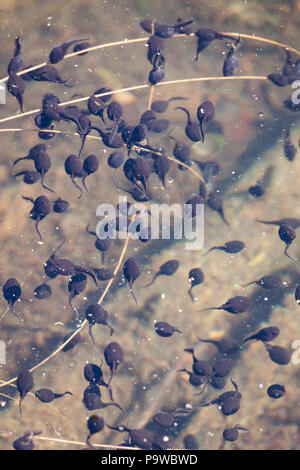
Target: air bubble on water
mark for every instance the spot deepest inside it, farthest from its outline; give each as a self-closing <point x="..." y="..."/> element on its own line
<point x="3" y="403"/>
<point x="261" y="115"/>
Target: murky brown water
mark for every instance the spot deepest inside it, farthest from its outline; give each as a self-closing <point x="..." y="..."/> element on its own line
<point x="251" y="117"/>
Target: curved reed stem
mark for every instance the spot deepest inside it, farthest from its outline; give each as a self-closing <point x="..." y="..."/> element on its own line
<point x="79" y="443"/>
<point x="151" y="93"/>
<point x="140" y="87"/>
<point x="84" y="323"/>
<point x="145" y="39"/>
<point x="264" y="40"/>
<point x="172" y="159"/>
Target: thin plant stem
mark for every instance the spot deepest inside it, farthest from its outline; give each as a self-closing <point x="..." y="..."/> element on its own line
<point x="151" y="93"/>
<point x="154" y="152"/>
<point x="144" y="39"/>
<point x="79" y="443"/>
<point x="84" y="323"/>
<point x="140" y="87"/>
<point x="264" y="40"/>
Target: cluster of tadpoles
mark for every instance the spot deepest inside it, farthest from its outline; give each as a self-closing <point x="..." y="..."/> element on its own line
<point x="123" y="138"/>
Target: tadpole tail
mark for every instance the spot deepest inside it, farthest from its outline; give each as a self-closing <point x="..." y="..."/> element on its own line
<point x="83" y="138"/>
<point x="59" y="395"/>
<point x="16" y="313"/>
<point x="249" y="284"/>
<point x="187" y="113"/>
<point x="132" y="293"/>
<point x="211" y="249"/>
<point x="18" y="160"/>
<point x="83" y="183"/>
<point x="268" y="222"/>
<point x="111" y="330"/>
<point x="104" y="405"/>
<point x="286" y="253"/>
<point x="249" y="338"/>
<point x="37" y="228"/>
<point x="204" y="387"/>
<point x="176" y="98"/>
<point x="17" y="47"/>
<point x="44" y="186"/>
<point x="201" y="130"/>
<point x="221" y="213"/>
<point x="90" y="232"/>
<point x="190" y="351"/>
<point x="181" y="25"/>
<point x="20" y="101"/>
<point x="152" y="282"/>
<point x="18" y="174"/>
<point x="76" y="186"/>
<point x="88" y="273"/>
<point x="66" y="82"/>
<point x="71" y="297"/>
<point x="20" y="405"/>
<point x="107" y="385"/>
<point x="190" y="294"/>
<point x="209" y="308"/>
<point x="91" y="334"/>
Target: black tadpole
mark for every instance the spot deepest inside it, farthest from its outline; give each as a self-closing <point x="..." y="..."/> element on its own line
<point x="11" y="292"/>
<point x="74" y="168"/>
<point x="131" y="271"/>
<point x="235" y="305"/>
<point x="95" y="424"/>
<point x="195" y="278"/>
<point x="192" y="128"/>
<point x="214" y="202"/>
<point x="113" y="355"/>
<point x="166" y="269"/>
<point x="90" y="165"/>
<point x="273" y="281"/>
<point x="24" y="384"/>
<point x="58" y="52"/>
<point x="228" y="401"/>
<point x="287" y="234"/>
<point x="41" y="208"/>
<point x="47" y="396"/>
<point x="165" y="329"/>
<point x="76" y="286"/>
<point x="232" y="247"/>
<point x="205" y="113"/>
<point x="95" y="313"/>
<point x="265" y="334"/>
<point x="16" y="87"/>
<point x="16" y="63"/>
